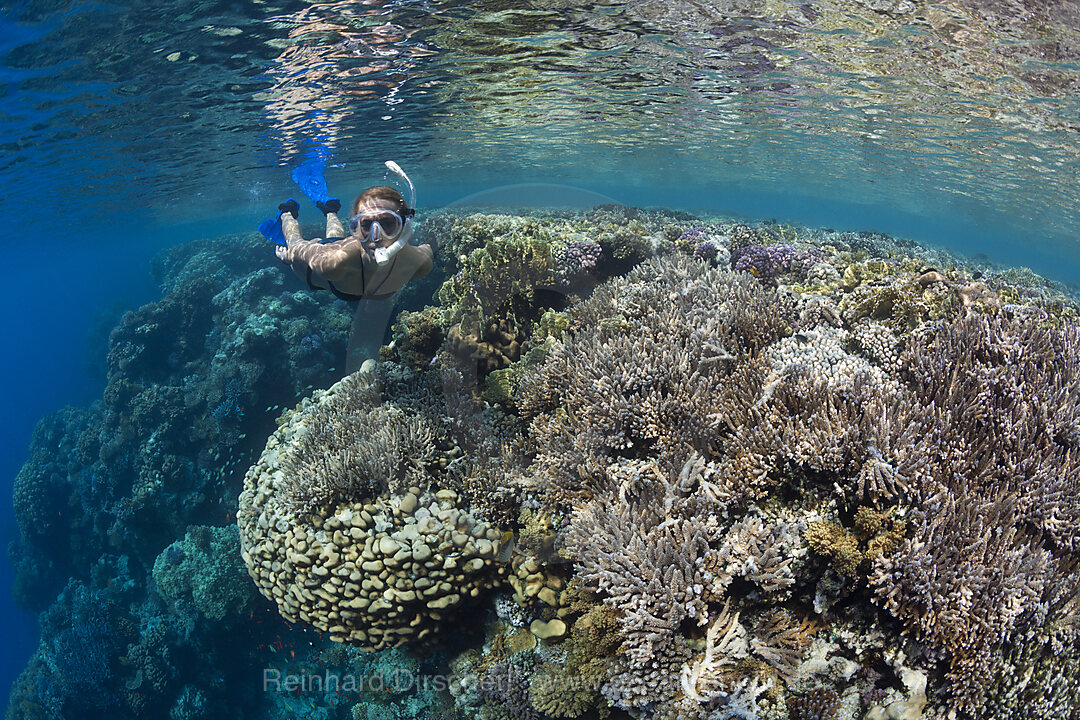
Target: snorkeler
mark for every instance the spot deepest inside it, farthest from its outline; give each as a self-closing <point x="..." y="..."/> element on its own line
<point x="374" y="262"/>
<point x="370" y="264"/>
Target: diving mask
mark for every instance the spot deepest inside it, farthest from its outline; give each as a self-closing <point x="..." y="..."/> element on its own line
<point x="376" y="224"/>
<point x="371" y="223"/>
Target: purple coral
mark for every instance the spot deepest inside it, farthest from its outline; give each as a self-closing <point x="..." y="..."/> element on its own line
<point x="505" y="683"/>
<point x="764" y="263"/>
<point x="576" y="261"/>
<point x="692" y="236"/>
<point x="706" y="251"/>
<point x="583" y="254"/>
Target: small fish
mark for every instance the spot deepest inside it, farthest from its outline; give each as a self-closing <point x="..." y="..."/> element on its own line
<point x="506" y="547"/>
<point x="801" y="338"/>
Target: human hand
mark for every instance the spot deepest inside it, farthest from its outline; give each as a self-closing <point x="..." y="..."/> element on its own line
<point x="282" y="251"/>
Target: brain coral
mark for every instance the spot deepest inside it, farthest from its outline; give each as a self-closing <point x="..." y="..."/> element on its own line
<point x="371" y="566"/>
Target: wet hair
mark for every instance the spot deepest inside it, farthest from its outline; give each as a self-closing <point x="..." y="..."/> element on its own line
<point x="380" y="192"/>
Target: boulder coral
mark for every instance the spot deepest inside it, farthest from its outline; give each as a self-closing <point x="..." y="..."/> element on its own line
<point x="367" y="557"/>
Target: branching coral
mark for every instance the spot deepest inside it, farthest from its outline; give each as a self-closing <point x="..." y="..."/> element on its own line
<point x="710" y="676"/>
<point x="1002" y="408"/>
<point x="646" y="367"/>
<point x="354" y="447"/>
<point x="782" y="642"/>
<point x="963" y="582"/>
<point x="756" y="553"/>
<point x="637" y="546"/>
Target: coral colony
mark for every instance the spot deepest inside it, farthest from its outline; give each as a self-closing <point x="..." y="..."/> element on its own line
<point x="624" y="464"/>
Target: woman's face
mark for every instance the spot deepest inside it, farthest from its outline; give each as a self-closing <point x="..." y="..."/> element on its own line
<point x="371" y="211"/>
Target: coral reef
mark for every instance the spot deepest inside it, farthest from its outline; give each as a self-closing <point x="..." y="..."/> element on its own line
<point x="341" y="527"/>
<point x="205" y="569"/>
<point x="630" y="464"/>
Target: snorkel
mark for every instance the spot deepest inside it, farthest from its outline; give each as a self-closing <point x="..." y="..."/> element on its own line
<point x="384" y="255"/>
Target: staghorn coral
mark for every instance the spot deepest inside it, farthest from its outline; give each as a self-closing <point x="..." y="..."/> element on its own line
<point x="782" y="643"/>
<point x="638" y="546"/>
<point x="964" y="582"/>
<point x="788" y="442"/>
<point x="353" y="447"/>
<point x="1001" y="403"/>
<point x="756" y="553"/>
<point x="645" y="366"/>
<point x="726" y="643"/>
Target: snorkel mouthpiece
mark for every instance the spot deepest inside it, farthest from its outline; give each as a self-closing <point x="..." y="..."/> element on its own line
<point x="384" y="255"/>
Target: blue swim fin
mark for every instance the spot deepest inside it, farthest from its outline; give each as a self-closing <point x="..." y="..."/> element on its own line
<point x="271" y="230"/>
<point x="311" y="181"/>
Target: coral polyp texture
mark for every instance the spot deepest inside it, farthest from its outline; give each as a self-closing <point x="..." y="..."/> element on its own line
<point x="340" y="528"/>
<point x="622" y="464"/>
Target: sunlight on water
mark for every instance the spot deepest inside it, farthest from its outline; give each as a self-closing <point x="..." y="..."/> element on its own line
<point x="919" y="108"/>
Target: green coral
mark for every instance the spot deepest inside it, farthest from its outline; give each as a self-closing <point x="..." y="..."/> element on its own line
<point x="494" y="274"/>
<point x="572" y="688"/>
<point x="501" y="386"/>
<point x="552" y="324"/>
<point x="627" y="244"/>
<point x="743" y="235"/>
<point x="205" y="569"/>
<point x="417" y="337"/>
<point x="538" y="531"/>
<point x="879" y="531"/>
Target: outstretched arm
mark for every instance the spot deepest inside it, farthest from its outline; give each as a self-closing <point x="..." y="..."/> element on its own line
<point x="337" y="262"/>
<point x="290" y="228"/>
